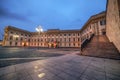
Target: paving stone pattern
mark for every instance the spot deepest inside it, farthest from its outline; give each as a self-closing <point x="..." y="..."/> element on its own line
<point x="67" y="67"/>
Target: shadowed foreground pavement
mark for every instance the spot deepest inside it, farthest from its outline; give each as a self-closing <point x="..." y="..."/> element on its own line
<point x="67" y="67"/>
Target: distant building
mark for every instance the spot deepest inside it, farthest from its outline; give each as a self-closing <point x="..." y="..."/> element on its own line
<point x="55" y="37"/>
<point x="51" y="38"/>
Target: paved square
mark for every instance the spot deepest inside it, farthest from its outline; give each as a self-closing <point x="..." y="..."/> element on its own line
<point x="67" y="67"/>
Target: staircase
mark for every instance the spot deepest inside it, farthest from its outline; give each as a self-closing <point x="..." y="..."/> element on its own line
<point x="100" y="46"/>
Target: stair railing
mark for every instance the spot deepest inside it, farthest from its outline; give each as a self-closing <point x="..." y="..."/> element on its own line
<point x="85" y="42"/>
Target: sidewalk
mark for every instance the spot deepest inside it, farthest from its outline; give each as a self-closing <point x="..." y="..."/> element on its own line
<point x="67" y="67"/>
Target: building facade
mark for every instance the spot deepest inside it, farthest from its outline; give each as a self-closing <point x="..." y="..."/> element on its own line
<point x="55" y="37"/>
<point x="51" y="38"/>
<point x="113" y="22"/>
<point x="96" y="25"/>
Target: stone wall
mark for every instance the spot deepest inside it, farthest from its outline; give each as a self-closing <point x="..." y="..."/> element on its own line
<point x="113" y="22"/>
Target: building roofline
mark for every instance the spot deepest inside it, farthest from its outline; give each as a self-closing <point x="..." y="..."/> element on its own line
<point x="14" y="28"/>
<point x="48" y="31"/>
<point x="96" y="16"/>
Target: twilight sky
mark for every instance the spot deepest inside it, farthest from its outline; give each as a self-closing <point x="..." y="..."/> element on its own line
<point x="50" y="14"/>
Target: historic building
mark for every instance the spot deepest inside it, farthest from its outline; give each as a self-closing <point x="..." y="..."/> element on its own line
<point x="55" y="37"/>
<point x="96" y="25"/>
<point x="51" y="38"/>
<point x="113" y="22"/>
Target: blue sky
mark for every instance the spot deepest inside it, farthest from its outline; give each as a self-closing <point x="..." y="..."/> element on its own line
<point x="50" y="14"/>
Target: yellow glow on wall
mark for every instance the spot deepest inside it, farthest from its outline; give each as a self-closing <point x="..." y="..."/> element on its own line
<point x="22" y="43"/>
<point x="15" y="36"/>
<point x="27" y="44"/>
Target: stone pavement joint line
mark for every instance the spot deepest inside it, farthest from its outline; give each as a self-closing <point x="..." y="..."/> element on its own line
<point x="67" y="67"/>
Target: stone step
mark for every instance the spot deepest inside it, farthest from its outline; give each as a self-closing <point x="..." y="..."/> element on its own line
<point x="101" y="47"/>
<point x="101" y="38"/>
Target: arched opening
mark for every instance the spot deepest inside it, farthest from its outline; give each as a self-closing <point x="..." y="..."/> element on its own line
<point x="24" y="44"/>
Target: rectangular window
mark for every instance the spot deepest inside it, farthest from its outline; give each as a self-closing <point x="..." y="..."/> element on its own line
<point x="16" y="38"/>
<point x="21" y="39"/>
<point x="10" y="43"/>
<point x="64" y="34"/>
<point x="74" y="44"/>
<point x="69" y="45"/>
<point x="11" y="37"/>
<point x="73" y="39"/>
<point x="78" y="39"/>
<point x="69" y="34"/>
<point x="103" y="22"/>
<point x="65" y="39"/>
<point x="15" y="43"/>
<point x="11" y="32"/>
<point x="69" y="39"/>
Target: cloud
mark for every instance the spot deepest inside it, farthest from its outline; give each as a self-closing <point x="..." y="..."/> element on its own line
<point x="7" y="14"/>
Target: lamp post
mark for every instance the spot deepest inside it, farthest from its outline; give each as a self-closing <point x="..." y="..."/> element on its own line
<point x="39" y="30"/>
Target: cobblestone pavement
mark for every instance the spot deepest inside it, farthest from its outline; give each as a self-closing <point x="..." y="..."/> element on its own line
<point x="67" y="67"/>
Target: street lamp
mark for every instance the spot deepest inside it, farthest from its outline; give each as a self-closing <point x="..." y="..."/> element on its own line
<point x="39" y="29"/>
